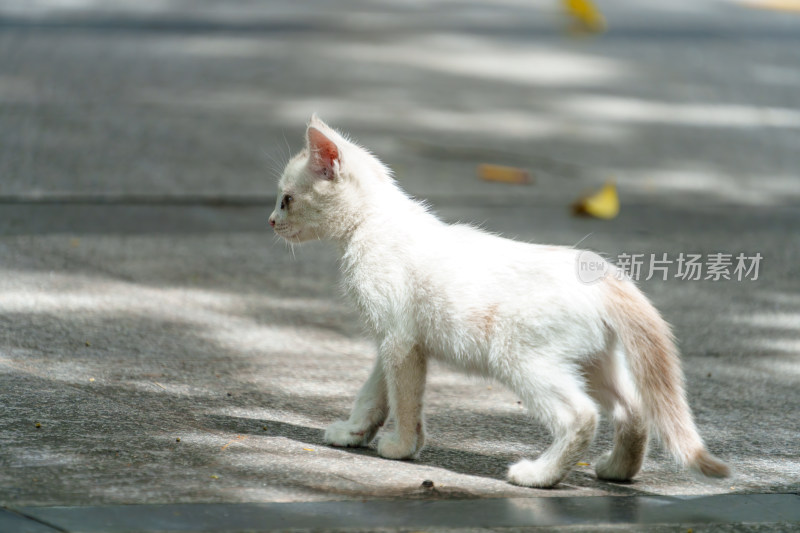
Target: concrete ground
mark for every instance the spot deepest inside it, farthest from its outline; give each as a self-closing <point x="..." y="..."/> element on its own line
<point x="158" y="346"/>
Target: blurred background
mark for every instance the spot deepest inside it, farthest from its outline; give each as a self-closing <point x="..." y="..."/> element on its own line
<point x="694" y="98"/>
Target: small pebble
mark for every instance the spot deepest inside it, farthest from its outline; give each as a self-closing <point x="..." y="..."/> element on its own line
<point x="229" y="394"/>
<point x="427" y="484"/>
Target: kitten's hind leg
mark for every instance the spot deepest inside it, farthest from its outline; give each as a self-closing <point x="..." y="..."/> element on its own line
<point x="558" y="399"/>
<point x="612" y="387"/>
<point x="367" y="416"/>
<point x="630" y="445"/>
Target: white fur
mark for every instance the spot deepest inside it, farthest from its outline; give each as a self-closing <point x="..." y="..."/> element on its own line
<point x="486" y="305"/>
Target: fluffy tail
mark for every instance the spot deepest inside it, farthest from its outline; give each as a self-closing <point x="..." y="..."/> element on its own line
<point x="656" y="368"/>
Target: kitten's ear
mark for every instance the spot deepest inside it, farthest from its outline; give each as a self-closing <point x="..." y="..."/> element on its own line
<point x="324" y="155"/>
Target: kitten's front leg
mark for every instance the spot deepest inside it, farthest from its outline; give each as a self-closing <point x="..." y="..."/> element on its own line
<point x="405" y="378"/>
<point x="368" y="415"/>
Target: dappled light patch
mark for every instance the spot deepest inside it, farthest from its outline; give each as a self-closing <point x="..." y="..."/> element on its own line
<point x="698" y="115"/>
<point x="477" y="57"/>
<point x="711" y="184"/>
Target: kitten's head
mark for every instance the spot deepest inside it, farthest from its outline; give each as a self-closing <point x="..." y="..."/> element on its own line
<point x="319" y="185"/>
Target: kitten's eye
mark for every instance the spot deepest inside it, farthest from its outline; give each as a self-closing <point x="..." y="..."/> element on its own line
<point x="286" y="200"/>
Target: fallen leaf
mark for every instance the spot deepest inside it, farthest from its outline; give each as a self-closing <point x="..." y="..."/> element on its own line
<point x="602" y="204"/>
<point x="503" y="174"/>
<point x="309" y="449"/>
<point x="581" y="463"/>
<point x="585" y="16"/>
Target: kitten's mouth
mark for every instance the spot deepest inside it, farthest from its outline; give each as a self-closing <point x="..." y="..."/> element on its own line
<point x="290" y="236"/>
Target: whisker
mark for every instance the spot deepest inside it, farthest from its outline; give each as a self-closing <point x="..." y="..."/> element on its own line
<point x="273" y="157"/>
<point x="580" y="241"/>
<point x="277" y="161"/>
<point x="288" y="148"/>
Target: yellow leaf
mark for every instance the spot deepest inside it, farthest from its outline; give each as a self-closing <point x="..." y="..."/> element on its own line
<point x="585" y="15"/>
<point x="309" y="449"/>
<point x="602" y="204"/>
<point x="581" y="463"/>
<point x="503" y="174"/>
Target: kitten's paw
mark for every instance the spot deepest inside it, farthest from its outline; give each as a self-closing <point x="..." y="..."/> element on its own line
<point x="534" y="474"/>
<point x="345" y="434"/>
<point x="394" y="447"/>
<point x="608" y="469"/>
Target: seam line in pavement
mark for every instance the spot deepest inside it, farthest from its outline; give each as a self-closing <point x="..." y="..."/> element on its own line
<point x="215" y="200"/>
<point x="507" y="199"/>
<point x="19" y="522"/>
<point x="499" y="512"/>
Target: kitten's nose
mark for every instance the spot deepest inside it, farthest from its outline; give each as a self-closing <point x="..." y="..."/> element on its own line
<point x="272" y="222"/>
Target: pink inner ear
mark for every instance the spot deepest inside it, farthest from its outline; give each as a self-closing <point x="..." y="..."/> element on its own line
<point x="323" y="152"/>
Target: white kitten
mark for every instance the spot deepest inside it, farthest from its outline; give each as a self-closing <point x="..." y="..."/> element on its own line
<point x="490" y="306"/>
